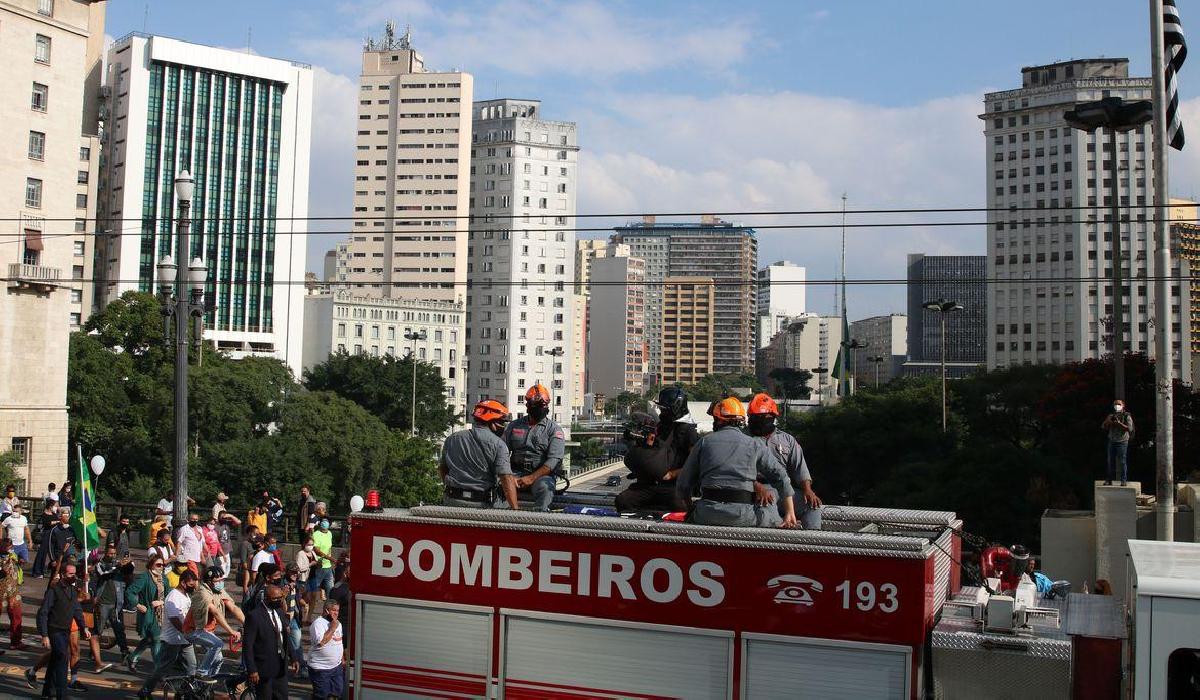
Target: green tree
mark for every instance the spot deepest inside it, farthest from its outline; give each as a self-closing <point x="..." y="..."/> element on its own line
<point x="714" y="387"/>
<point x="10" y="461"/>
<point x="792" y="383"/>
<point x="383" y="386"/>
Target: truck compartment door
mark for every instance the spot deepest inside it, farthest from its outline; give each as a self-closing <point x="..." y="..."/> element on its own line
<point x="411" y="648"/>
<point x="565" y="656"/>
<point x="792" y="668"/>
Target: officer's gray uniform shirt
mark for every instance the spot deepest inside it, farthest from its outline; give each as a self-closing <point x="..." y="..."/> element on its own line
<point x="536" y="445"/>
<point x="474" y="459"/>
<point x="784" y="448"/>
<point x="730" y="459"/>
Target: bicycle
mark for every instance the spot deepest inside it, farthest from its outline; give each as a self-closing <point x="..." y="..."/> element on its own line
<point x="192" y="687"/>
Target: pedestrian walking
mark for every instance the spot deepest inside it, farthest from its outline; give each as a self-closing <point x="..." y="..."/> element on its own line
<point x="49" y="521"/>
<point x="175" y="645"/>
<point x="59" y="609"/>
<point x="11" y="579"/>
<point x="327" y="655"/>
<point x="146" y="594"/>
<point x="304" y="510"/>
<point x="16" y="531"/>
<point x="266" y="653"/>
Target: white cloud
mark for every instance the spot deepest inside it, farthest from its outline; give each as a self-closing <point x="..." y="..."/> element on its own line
<point x="795" y="152"/>
<point x="331" y="179"/>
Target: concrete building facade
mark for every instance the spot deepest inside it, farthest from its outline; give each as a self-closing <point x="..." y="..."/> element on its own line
<point x="617" y="317"/>
<point x="52" y="54"/>
<point x="411" y="177"/>
<point x="240" y="124"/>
<point x="781" y="295"/>
<point x="720" y="250"/>
<point x="521" y="256"/>
<point x="342" y="321"/>
<point x="882" y="360"/>
<point x="811" y="342"/>
<point x="689" y="312"/>
<point x="1043" y="253"/>
<point x="957" y="278"/>
<point x="1185" y="238"/>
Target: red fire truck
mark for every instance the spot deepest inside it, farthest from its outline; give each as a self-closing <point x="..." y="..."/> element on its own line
<point x="453" y="602"/>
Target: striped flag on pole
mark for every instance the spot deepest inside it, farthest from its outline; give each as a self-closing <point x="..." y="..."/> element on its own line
<point x="1175" y="49"/>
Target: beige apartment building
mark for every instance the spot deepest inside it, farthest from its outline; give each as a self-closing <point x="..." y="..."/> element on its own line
<point x="51" y="51"/>
<point x="411" y="177"/>
<point x="688" y="337"/>
<point x="617" y="317"/>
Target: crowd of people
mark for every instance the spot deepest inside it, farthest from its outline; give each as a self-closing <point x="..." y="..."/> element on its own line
<point x="184" y="618"/>
<point x="746" y="472"/>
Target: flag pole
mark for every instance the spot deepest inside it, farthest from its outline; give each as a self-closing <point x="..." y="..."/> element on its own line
<point x="1163" y="366"/>
<point x="79" y="497"/>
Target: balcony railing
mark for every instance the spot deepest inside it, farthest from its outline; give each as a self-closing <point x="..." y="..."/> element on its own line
<point x="33" y="276"/>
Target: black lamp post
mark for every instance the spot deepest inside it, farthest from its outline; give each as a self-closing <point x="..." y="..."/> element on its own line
<point x="943" y="307"/>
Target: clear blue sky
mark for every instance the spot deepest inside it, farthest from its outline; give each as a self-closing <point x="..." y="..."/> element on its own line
<point x="691" y="106"/>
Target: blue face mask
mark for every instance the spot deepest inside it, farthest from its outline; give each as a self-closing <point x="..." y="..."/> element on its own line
<point x="324" y="524"/>
<point x="270" y="548"/>
<point x="219" y="586"/>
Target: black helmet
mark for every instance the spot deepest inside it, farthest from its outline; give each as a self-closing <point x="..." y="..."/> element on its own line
<point x="213" y="572"/>
<point x="672" y="403"/>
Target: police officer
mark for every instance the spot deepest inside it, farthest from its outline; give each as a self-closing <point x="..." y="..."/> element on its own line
<point x="474" y="461"/>
<point x="656" y="457"/>
<point x="537" y="445"/>
<point x="784" y="448"/>
<point x="724" y="465"/>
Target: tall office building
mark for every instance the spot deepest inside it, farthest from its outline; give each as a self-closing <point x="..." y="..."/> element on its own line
<point x="587" y="250"/>
<point x="52" y="54"/>
<point x="781" y="294"/>
<point x="1185" y="236"/>
<point x="522" y="255"/>
<point x="411" y="177"/>
<point x="808" y="342"/>
<point x="617" y="316"/>
<point x="720" y="250"/>
<point x="957" y="278"/>
<point x="1043" y="253"/>
<point x="579" y="320"/>
<point x="688" y="329"/>
<point x="886" y="340"/>
<point x="240" y="124"/>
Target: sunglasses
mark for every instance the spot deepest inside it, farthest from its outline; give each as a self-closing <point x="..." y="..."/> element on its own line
<point x="157" y="566"/>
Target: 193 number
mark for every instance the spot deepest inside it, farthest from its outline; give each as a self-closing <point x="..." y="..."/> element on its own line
<point x="866" y="597"/>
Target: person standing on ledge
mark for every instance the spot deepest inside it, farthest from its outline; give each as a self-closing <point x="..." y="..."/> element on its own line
<point x="1119" y="425"/>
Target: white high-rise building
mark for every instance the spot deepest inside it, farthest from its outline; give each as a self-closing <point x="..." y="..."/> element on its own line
<point x="52" y="55"/>
<point x="240" y="124"/>
<point x="521" y="256"/>
<point x="410" y="177"/>
<point x="781" y="294"/>
<point x="1049" y="222"/>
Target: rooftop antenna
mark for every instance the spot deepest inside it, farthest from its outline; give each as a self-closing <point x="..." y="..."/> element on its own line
<point x="146" y="18"/>
<point x="406" y="40"/>
<point x="249" y="35"/>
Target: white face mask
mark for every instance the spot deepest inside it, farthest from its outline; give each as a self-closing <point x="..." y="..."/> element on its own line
<point x="1118" y="407"/>
<point x="308" y="548"/>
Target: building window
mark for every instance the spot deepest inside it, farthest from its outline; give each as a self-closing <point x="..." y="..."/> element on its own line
<point x="82" y="177"/>
<point x="46" y="7"/>
<point x="75" y="318"/>
<point x="37" y="145"/>
<point x="85" y="153"/>
<point x="41" y="48"/>
<point x="40" y="98"/>
<point x="80" y="225"/>
<point x="23" y="446"/>
<point x="33" y="193"/>
<point x="76" y="296"/>
<point x="81" y="201"/>
<point x="78" y="247"/>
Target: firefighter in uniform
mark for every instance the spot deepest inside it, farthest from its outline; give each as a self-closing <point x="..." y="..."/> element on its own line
<point x="784" y="448"/>
<point x="537" y="445"/>
<point x="656" y="455"/>
<point x="725" y="465"/>
<point x="475" y="466"/>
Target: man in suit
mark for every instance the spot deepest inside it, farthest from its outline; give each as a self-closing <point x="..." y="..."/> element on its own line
<point x="266" y="652"/>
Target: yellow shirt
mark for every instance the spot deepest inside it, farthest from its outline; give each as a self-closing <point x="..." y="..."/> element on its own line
<point x="258" y="520"/>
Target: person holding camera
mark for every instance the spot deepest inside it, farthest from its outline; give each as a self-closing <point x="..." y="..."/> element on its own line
<point x="657" y="451"/>
<point x="537" y="445"/>
<point x="1119" y="428"/>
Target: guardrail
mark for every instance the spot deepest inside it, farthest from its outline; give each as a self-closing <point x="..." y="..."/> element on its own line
<point x="594" y="466"/>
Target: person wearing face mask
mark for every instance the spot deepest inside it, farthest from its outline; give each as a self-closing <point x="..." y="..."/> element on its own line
<point x="175" y="643"/>
<point x="10" y="592"/>
<point x="266" y="652"/>
<point x="657" y="451"/>
<point x="475" y="466"/>
<point x="60" y="608"/>
<point x="306" y="563"/>
<point x="210" y="605"/>
<point x="111" y="575"/>
<point x="784" y="448"/>
<point x="320" y="578"/>
<point x="273" y="550"/>
<point x="1119" y="425"/>
<point x="119" y="537"/>
<point x="146" y="595"/>
<point x="537" y="445"/>
<point x="191" y="543"/>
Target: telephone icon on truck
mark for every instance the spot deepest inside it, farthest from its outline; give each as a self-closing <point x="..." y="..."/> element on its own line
<point x="794" y="589"/>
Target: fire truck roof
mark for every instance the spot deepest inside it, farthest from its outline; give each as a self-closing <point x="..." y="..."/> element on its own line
<point x="885" y="532"/>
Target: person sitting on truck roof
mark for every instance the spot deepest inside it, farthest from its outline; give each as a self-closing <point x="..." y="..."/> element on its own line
<point x="475" y="465"/>
<point x="724" y="465"/>
<point x="654" y="461"/>
<point x="784" y="448"/>
<point x="537" y="445"/>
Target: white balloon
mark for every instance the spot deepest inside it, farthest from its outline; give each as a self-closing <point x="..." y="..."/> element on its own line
<point x="98" y="465"/>
<point x="356" y="504"/>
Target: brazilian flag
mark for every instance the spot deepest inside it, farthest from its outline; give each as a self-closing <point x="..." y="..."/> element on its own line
<point x="83" y="513"/>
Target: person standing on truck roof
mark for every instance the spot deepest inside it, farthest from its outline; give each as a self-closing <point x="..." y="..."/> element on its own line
<point x="784" y="448"/>
<point x="656" y="457"/>
<point x="537" y="445"/>
<point x="724" y="465"/>
<point x="475" y="465"/>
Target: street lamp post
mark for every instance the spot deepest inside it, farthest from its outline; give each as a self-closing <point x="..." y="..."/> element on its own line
<point x="854" y="344"/>
<point x="1114" y="114"/>
<point x="182" y="301"/>
<point x="943" y="307"/>
<point x="414" y="336"/>
<point x="878" y="360"/>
